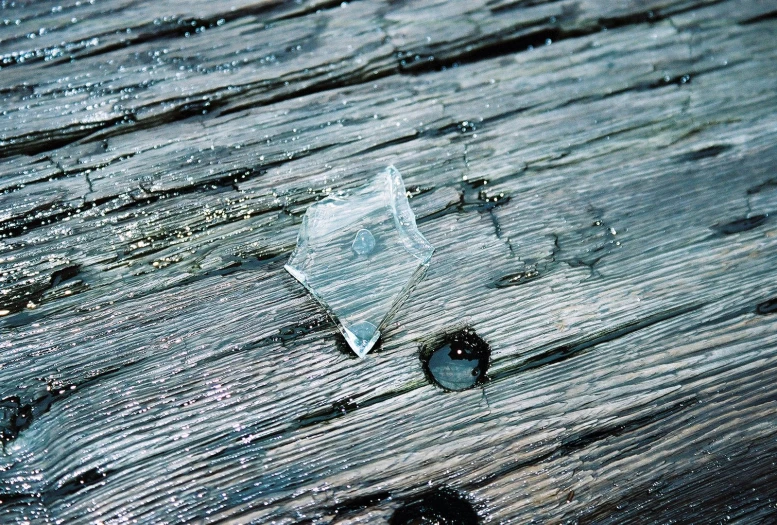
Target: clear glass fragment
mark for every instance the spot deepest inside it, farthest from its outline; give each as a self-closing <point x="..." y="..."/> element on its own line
<point x="359" y="253"/>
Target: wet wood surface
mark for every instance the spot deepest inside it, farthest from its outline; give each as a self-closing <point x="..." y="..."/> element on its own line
<point x="598" y="179"/>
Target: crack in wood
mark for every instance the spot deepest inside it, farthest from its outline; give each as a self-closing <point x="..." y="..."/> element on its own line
<point x="581" y="441"/>
<point x="561" y="353"/>
<point x="18" y="414"/>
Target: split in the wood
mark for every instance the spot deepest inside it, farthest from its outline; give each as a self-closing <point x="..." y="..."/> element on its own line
<point x="439" y="505"/>
<point x="31" y="285"/>
<point x="472" y="197"/>
<point x="16" y="414"/>
<point x="767" y="307"/>
<point x="584" y="247"/>
<point x="741" y="225"/>
<point x="567" y="351"/>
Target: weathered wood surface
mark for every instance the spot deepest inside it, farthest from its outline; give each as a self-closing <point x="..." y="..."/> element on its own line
<point x="598" y="179"/>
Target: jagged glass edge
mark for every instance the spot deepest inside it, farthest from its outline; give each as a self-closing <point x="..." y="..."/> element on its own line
<point x="419" y="248"/>
<point x="400" y="206"/>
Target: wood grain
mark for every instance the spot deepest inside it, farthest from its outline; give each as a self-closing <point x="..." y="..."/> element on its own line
<point x="597" y="179"/>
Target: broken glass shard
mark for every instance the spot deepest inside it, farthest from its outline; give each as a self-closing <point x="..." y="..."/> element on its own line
<point x="359" y="253"/>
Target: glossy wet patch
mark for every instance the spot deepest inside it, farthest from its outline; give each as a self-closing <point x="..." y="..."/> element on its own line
<point x="440" y="506"/>
<point x="456" y="361"/>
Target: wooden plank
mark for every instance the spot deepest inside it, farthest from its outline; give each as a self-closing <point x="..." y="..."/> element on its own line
<point x="602" y="212"/>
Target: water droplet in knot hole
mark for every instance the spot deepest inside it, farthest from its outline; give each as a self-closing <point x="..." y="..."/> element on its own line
<point x="456" y="361"/>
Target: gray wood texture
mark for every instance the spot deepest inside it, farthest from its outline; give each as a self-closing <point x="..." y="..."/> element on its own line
<point x="597" y="177"/>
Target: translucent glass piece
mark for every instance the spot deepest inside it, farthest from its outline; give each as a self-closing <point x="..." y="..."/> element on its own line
<point x="359" y="254"/>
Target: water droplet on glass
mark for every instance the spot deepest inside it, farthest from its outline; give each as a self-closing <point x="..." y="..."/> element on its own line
<point x="364" y="242"/>
<point x="359" y="253"/>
